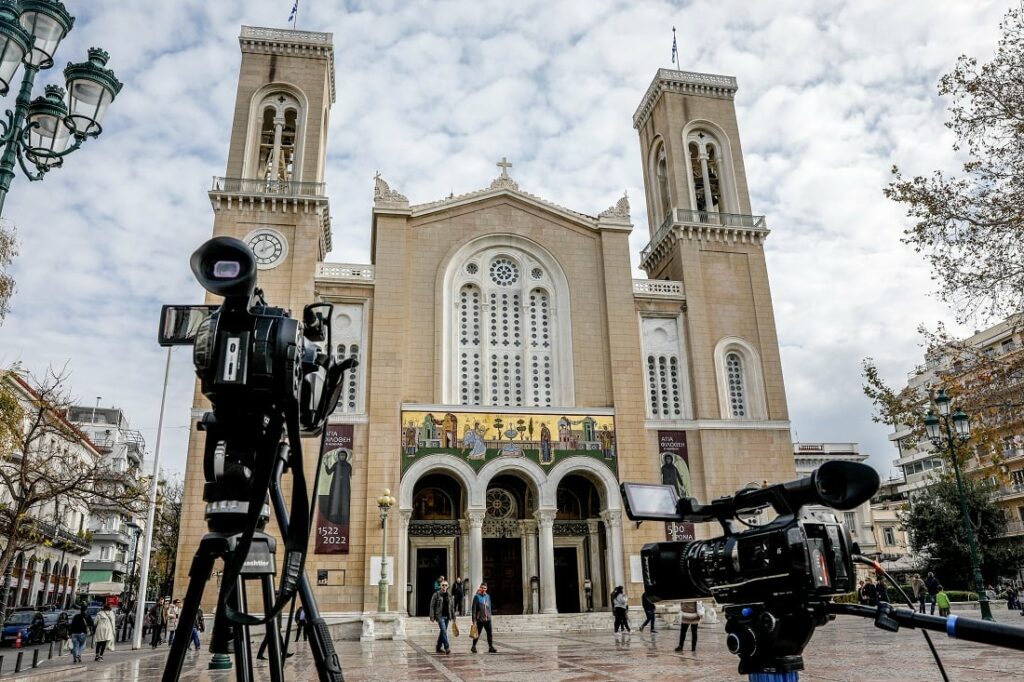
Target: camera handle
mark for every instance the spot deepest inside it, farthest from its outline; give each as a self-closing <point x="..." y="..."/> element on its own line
<point x="887" y="617"/>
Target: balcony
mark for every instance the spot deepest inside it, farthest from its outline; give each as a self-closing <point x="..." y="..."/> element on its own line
<point x="116" y="535"/>
<point x="345" y="272"/>
<point x="1010" y="491"/>
<point x="704" y="225"/>
<point x="1014" y="528"/>
<point x="658" y="288"/>
<point x="257" y="187"/>
<point x="62" y="539"/>
<point x="105" y="565"/>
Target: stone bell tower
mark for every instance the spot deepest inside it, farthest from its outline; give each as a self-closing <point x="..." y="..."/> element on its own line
<point x="703" y="233"/>
<point x="272" y="197"/>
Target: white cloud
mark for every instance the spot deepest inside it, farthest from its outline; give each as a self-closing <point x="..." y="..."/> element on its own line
<point x="432" y="94"/>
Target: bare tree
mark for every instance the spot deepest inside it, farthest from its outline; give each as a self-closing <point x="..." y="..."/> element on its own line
<point x="46" y="461"/>
<point x="166" y="527"/>
<point x="969" y="225"/>
<point x="8" y="250"/>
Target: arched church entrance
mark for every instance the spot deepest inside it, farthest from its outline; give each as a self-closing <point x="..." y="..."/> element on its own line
<point x="435" y="534"/>
<point x="507" y="527"/>
<point x="578" y="545"/>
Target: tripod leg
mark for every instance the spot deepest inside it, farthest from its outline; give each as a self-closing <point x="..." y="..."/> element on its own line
<point x="273" y="632"/>
<point x="199" y="573"/>
<point x="243" y="648"/>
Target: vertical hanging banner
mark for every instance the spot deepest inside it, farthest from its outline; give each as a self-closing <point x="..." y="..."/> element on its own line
<point x="675" y="471"/>
<point x="334" y="494"/>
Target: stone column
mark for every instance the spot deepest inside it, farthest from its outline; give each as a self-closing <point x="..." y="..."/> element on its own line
<point x="594" y="540"/>
<point x="463" y="548"/>
<point x="546" y="552"/>
<point x="275" y="156"/>
<point x="613" y="522"/>
<point x="529" y="531"/>
<point x="476" y="547"/>
<point x="402" y="569"/>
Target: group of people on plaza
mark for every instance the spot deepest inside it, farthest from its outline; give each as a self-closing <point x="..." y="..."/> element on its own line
<point x="74" y="632"/>
<point x="691" y="615"/>
<point x="162" y="618"/>
<point x="446" y="606"/>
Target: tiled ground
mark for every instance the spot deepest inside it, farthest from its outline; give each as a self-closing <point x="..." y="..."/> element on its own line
<point x="850" y="649"/>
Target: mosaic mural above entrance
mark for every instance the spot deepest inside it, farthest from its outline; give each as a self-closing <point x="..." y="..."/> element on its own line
<point x="479" y="437"/>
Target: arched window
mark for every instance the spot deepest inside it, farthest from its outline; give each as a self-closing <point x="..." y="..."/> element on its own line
<point x="737" y="390"/>
<point x="708" y="176"/>
<point x="665" y="370"/>
<point x="663" y="201"/>
<point x="507" y="327"/>
<point x="740" y="382"/>
<point x="347" y="337"/>
<point x="275" y="135"/>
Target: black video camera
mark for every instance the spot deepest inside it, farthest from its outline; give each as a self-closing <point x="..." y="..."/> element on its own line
<point x="775" y="576"/>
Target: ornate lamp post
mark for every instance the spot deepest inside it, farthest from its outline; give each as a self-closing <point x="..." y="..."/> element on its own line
<point x="384" y="503"/>
<point x="958" y="425"/>
<point x="43" y="131"/>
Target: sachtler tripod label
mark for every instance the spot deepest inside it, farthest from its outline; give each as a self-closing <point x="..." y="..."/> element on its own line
<point x="334" y="494"/>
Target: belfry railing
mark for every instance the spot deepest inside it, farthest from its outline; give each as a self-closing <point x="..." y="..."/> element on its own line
<point x="260" y="186"/>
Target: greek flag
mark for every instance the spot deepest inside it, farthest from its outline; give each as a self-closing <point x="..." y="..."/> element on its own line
<point x="295" y="11"/>
<point x="675" y="50"/>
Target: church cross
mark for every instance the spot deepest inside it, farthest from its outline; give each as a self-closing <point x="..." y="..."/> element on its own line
<point x="504" y="165"/>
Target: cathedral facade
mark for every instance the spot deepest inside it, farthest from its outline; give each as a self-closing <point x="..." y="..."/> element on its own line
<point x="512" y="372"/>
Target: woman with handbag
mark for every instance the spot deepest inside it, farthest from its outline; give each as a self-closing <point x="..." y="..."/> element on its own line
<point x="690" y="615"/>
<point x="104" y="632"/>
<point x="620" y="603"/>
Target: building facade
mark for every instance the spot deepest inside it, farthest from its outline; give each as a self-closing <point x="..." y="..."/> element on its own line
<point x="109" y="566"/>
<point x="512" y="371"/>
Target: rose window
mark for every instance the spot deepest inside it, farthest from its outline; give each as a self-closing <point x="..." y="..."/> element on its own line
<point x="504" y="272"/>
<point x="500" y="504"/>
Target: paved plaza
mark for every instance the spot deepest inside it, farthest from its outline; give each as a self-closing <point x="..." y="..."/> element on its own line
<point x="850" y="649"/>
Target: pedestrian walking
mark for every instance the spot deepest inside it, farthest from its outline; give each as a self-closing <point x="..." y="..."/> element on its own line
<point x="869" y="593"/>
<point x="942" y="599"/>
<point x="933" y="589"/>
<point x="881" y="592"/>
<point x="690" y="615"/>
<point x="62" y="632"/>
<point x="458" y="593"/>
<point x="649" y="612"/>
<point x="198" y="627"/>
<point x="157" y="618"/>
<point x="920" y="591"/>
<point x="81" y="626"/>
<point x="481" y="614"/>
<point x="173" y="614"/>
<point x="104" y="631"/>
<point x="442" y="611"/>
<point x="620" y="604"/>
<point x="300" y="624"/>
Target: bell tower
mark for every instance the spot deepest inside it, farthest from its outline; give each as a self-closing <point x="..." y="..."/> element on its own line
<point x="273" y="195"/>
<point x="704" y="234"/>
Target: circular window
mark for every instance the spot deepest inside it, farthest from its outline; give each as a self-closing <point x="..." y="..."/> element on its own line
<point x="472" y="268"/>
<point x="500" y="504"/>
<point x="504" y="272"/>
<point x="536" y="273"/>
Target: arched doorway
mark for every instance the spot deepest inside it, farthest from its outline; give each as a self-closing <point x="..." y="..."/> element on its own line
<point x="507" y="551"/>
<point x="434" y="533"/>
<point x="577" y="545"/>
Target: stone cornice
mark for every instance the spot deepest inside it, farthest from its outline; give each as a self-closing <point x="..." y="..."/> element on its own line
<point x="272" y="203"/>
<point x="686" y="83"/>
<point x="495" y="409"/>
<point x="282" y="41"/>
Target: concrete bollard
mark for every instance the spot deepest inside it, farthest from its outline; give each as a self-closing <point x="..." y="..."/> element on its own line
<point x="17" y="663"/>
<point x="35" y="658"/>
<point x="50" y="654"/>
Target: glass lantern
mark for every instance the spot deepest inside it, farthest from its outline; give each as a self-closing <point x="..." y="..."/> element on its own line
<point x="14" y="43"/>
<point x="48" y="133"/>
<point x="92" y="88"/>
<point x="48" y="22"/>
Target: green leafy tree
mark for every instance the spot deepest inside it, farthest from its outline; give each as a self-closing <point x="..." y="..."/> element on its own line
<point x="969" y="225"/>
<point x="937" y="532"/>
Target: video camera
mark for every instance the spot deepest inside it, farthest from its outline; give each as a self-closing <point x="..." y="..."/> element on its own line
<point x="271" y="380"/>
<point x="776" y="577"/>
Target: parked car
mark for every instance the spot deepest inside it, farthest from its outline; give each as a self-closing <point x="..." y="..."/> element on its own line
<point x="50" y="619"/>
<point x="30" y="624"/>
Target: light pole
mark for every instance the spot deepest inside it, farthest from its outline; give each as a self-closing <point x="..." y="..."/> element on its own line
<point x="384" y="503"/>
<point x="958" y="424"/>
<point x="43" y="131"/>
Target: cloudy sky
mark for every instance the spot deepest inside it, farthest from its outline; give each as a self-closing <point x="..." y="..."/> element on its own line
<point x="831" y="94"/>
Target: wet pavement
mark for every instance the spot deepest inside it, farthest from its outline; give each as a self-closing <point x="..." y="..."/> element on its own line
<point x="848" y="649"/>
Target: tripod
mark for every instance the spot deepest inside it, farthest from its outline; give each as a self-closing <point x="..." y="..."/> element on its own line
<point x="259" y="565"/>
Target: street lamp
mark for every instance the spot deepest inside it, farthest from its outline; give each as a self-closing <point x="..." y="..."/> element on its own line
<point x="40" y="132"/>
<point x="958" y="425"/>
<point x="384" y="503"/>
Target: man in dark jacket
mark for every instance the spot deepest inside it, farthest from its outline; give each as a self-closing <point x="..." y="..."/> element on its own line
<point x="81" y="626"/>
<point x="442" y="610"/>
<point x="457" y="595"/>
<point x="933" y="589"/>
<point x="158" y="621"/>
<point x="481" y="613"/>
<point x="869" y="593"/>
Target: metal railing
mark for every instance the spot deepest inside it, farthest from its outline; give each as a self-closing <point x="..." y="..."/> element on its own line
<point x="1014" y="528"/>
<point x="1011" y="489"/>
<point x="691" y="217"/>
<point x="259" y="186"/>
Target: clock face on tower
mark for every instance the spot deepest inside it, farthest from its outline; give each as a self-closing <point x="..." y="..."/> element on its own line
<point x="269" y="246"/>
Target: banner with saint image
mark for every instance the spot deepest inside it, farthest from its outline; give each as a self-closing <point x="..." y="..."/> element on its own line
<point x="675" y="471"/>
<point x="334" y="493"/>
